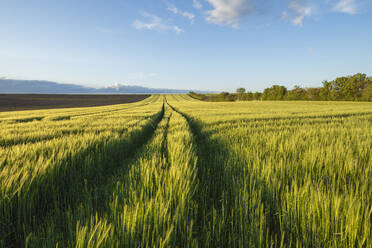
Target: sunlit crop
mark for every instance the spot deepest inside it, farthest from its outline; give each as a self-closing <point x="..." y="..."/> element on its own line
<point x="172" y="171"/>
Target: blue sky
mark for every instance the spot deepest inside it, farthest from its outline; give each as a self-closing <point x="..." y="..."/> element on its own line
<point x="192" y="44"/>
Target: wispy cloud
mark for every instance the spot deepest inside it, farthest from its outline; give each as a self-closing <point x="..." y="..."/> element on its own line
<point x="155" y="23"/>
<point x="196" y="4"/>
<point x="231" y="12"/>
<point x="173" y="9"/>
<point x="301" y="10"/>
<point x="186" y="14"/>
<point x="346" y="6"/>
<point x="284" y="15"/>
<point x="228" y="12"/>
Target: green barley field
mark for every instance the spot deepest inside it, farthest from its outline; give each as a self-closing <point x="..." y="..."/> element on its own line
<point x="172" y="171"/>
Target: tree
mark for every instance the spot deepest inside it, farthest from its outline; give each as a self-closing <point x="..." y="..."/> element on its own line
<point x="296" y="94"/>
<point x="345" y="88"/>
<point x="325" y="91"/>
<point x="240" y="91"/>
<point x="249" y="96"/>
<point x="313" y="94"/>
<point x="367" y="93"/>
<point x="257" y="96"/>
<point x="276" y="92"/>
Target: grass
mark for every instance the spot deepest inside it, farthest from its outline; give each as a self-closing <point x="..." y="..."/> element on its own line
<point x="177" y="172"/>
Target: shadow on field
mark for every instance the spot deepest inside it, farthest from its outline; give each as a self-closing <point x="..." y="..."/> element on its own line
<point x="69" y="184"/>
<point x="211" y="181"/>
<point x="164" y="144"/>
<point x="225" y="217"/>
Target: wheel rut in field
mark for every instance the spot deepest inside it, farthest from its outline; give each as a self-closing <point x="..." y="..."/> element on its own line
<point x="64" y="188"/>
<point x="103" y="193"/>
<point x="216" y="183"/>
<point x="164" y="144"/>
<point x="212" y="181"/>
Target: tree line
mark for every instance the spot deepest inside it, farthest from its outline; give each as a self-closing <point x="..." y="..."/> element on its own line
<point x="357" y="87"/>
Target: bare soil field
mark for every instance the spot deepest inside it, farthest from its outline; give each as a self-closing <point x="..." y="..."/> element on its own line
<point x="14" y="102"/>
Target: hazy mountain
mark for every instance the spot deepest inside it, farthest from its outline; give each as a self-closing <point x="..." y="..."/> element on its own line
<point x="47" y="87"/>
<point x="120" y="89"/>
<point x="42" y="87"/>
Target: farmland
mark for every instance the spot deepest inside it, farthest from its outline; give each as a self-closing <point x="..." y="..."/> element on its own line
<point x="14" y="102"/>
<point x="173" y="171"/>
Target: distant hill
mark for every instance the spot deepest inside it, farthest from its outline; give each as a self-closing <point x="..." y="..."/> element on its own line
<point x="42" y="87"/>
<point x="132" y="89"/>
<point x="47" y="87"/>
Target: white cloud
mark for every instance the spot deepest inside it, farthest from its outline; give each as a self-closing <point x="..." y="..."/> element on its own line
<point x="155" y="23"/>
<point x="228" y="12"/>
<point x="186" y="14"/>
<point x="284" y="15"/>
<point x="174" y="10"/>
<point x="301" y="10"/>
<point x="177" y="29"/>
<point x="346" y="6"/>
<point x="196" y="4"/>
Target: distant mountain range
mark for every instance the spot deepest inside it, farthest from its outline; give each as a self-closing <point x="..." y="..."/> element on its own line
<point x="47" y="87"/>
